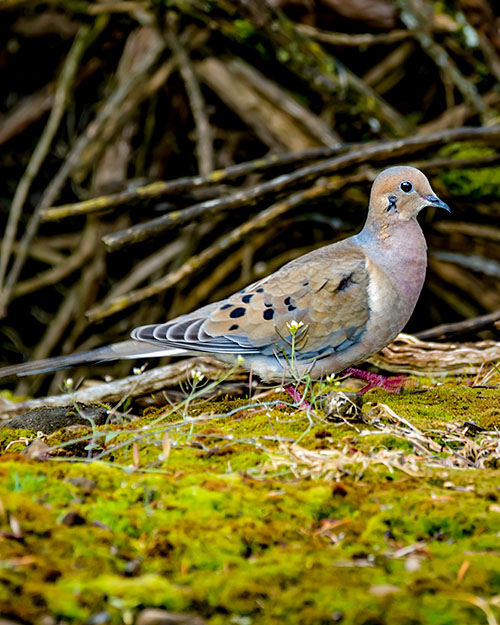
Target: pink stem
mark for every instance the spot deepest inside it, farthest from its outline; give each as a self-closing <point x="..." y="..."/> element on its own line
<point x="296" y="396"/>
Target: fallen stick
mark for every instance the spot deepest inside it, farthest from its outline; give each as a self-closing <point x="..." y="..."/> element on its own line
<point x="131" y="386"/>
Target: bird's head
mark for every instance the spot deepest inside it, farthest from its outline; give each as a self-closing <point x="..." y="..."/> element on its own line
<point x="400" y="193"/>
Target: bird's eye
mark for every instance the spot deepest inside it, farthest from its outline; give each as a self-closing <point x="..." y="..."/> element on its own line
<point x="406" y="186"/>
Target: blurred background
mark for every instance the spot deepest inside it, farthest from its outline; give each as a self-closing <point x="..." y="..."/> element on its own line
<point x="115" y="114"/>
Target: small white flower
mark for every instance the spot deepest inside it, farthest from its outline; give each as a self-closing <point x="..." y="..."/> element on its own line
<point x="240" y="360"/>
<point x="293" y="326"/>
<point x="197" y="375"/>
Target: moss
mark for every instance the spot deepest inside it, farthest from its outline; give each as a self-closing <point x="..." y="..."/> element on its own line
<point x="213" y="526"/>
<point x="243" y="29"/>
<point x="15" y="441"/>
<point x="9" y="396"/>
<point x="471" y="182"/>
<point x="490" y="418"/>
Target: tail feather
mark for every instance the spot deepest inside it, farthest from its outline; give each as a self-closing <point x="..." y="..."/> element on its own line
<point x="117" y="351"/>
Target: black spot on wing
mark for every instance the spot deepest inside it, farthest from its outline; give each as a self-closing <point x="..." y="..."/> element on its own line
<point x="345" y="282"/>
<point x="237" y="312"/>
<point x="246" y="298"/>
<point x="268" y="314"/>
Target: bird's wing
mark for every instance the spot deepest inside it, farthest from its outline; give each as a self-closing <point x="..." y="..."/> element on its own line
<point x="324" y="292"/>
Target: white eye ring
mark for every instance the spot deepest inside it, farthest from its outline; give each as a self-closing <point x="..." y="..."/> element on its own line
<point x="406" y="186"/>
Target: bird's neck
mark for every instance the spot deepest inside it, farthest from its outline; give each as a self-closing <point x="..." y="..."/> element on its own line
<point x="400" y="250"/>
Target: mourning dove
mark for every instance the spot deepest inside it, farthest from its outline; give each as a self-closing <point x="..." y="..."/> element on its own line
<point x="317" y="315"/>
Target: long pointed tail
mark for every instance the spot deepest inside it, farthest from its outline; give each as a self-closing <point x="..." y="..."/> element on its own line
<point x="117" y="351"/>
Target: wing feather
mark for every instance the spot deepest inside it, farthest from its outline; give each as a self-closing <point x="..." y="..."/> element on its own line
<point x="326" y="291"/>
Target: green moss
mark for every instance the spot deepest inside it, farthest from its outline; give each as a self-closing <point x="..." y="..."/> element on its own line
<point x="471" y="182"/>
<point x="15" y="441"/>
<point x="219" y="529"/>
<point x="9" y="396"/>
<point x="243" y="29"/>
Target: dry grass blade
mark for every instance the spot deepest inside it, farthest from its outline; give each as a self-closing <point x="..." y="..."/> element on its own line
<point x="329" y="464"/>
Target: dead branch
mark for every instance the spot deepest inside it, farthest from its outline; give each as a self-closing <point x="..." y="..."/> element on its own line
<point x="408" y="354"/>
<point x="261" y="221"/>
<point x="64" y="87"/>
<point x="374" y="152"/>
<point x="132" y="386"/>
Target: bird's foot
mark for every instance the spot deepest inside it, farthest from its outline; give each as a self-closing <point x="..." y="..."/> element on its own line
<point x="296" y="396"/>
<point x="391" y="384"/>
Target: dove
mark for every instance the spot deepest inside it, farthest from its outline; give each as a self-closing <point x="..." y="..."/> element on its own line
<point x="317" y="315"/>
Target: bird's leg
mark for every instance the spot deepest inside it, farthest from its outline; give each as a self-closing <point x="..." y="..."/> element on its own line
<point x="296" y="396"/>
<point x="391" y="384"/>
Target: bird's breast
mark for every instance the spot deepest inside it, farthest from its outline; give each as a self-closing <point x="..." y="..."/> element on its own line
<point x="397" y="273"/>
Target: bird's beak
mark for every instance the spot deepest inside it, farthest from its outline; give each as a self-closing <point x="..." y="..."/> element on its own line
<point x="435" y="201"/>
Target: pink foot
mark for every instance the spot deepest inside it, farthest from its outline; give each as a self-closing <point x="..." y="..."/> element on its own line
<point x="296" y="396"/>
<point x="391" y="384"/>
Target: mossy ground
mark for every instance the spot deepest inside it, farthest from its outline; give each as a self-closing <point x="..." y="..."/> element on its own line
<point x="194" y="516"/>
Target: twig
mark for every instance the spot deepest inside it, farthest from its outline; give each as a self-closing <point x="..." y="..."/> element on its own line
<point x="322" y="71"/>
<point x="456" y="116"/>
<point x="284" y="101"/>
<point x="467" y="282"/>
<point x="275" y="117"/>
<point x="474" y="262"/>
<point x="53" y="334"/>
<point x="160" y="189"/>
<point x="373" y="152"/>
<point x="261" y="220"/>
<point x="414" y="19"/>
<point x="204" y="146"/>
<point x="408" y="354"/>
<point x="171" y="187"/>
<point x="394" y="61"/>
<point x="219" y="276"/>
<point x="132" y="386"/>
<point x="352" y="40"/>
<point x="56" y="274"/>
<point x="61" y="96"/>
<point x="34" y="106"/>
<point x="29" y="110"/>
<point x="144" y="269"/>
<point x="469" y="229"/>
<point x="446" y="330"/>
<point x="73" y="159"/>
<point x="117" y="6"/>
